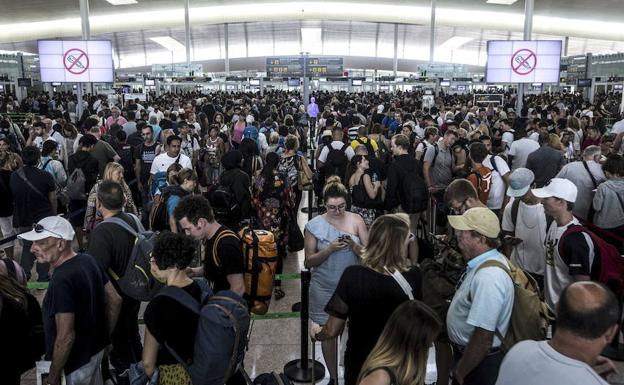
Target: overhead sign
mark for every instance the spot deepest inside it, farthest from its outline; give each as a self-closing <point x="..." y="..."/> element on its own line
<point x="523" y="61"/>
<point x="484" y="100"/>
<point x="73" y="61"/>
<point x="293" y="66"/>
<point x="178" y="69"/>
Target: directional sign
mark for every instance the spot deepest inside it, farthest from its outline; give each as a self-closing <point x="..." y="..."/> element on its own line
<point x="293" y="66"/>
<point x="523" y="61"/>
<point x="76" y="61"/>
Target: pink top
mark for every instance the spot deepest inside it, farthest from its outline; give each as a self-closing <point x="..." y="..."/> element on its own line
<point x="239" y="129"/>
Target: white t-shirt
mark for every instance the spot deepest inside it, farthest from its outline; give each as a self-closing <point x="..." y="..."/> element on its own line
<point x="335" y="145"/>
<point x="38" y="141"/>
<point x="618" y="128"/>
<point x="520" y="150"/>
<point x="536" y="362"/>
<point x="497" y="193"/>
<point x="508" y="137"/>
<point x="531" y="228"/>
<point x="558" y="273"/>
<point x="534" y="136"/>
<point x="162" y="162"/>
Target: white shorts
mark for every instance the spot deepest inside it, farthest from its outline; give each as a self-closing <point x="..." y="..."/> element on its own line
<point x="6" y="226"/>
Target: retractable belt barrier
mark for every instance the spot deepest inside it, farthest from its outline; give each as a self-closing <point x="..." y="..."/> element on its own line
<point x="66" y="216"/>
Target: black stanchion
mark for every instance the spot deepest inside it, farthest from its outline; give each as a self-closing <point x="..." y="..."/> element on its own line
<point x="305" y="369"/>
<point x="310" y="209"/>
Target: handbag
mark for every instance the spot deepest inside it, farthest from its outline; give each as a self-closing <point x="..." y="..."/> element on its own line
<point x="304" y="183"/>
<point x="137" y="375"/>
<point x="295" y="236"/>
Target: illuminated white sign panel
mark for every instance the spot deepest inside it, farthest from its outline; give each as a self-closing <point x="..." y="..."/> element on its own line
<point x="523" y="61"/>
<point x="73" y="61"/>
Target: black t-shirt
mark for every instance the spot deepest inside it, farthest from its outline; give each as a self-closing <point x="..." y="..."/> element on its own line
<point x="146" y="155"/>
<point x="169" y="321"/>
<point x="367" y="298"/>
<point x="6" y="196"/>
<point x="224" y="259"/>
<point x="77" y="286"/>
<point x="112" y="245"/>
<point x="31" y="206"/>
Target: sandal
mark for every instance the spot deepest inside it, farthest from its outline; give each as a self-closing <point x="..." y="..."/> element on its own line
<point x="279" y="294"/>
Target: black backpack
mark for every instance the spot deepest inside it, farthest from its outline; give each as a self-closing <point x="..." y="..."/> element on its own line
<point x="336" y="162"/>
<point x="224" y="204"/>
<point x="159" y="217"/>
<point x="383" y="152"/>
<point x="272" y="379"/>
<point x="413" y="193"/>
<point x="369" y="146"/>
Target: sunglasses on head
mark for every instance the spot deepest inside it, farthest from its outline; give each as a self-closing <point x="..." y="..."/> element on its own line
<point x="40" y="229"/>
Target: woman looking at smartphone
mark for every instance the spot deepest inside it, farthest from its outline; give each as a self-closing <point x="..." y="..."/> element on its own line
<point x="333" y="242"/>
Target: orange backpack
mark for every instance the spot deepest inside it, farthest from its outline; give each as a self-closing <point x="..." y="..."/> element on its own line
<point x="481" y="179"/>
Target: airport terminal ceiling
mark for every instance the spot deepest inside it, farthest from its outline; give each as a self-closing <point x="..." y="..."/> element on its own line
<point x="333" y="28"/>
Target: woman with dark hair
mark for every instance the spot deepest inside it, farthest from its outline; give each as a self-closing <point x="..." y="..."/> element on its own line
<point x="400" y="355"/>
<point x="252" y="162"/>
<point x="166" y="320"/>
<point x="20" y="315"/>
<point x="364" y="191"/>
<point x="273" y="199"/>
<point x="291" y="164"/>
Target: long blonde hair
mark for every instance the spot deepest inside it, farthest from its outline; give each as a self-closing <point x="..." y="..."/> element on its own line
<point x="404" y="344"/>
<point x="111" y="167"/>
<point x="386" y="243"/>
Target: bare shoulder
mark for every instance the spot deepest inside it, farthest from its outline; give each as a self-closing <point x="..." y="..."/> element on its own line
<point x="376" y="377"/>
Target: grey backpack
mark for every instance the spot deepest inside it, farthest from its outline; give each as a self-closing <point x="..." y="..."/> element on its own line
<point x="221" y="337"/>
<point x="137" y="281"/>
<point x="76" y="186"/>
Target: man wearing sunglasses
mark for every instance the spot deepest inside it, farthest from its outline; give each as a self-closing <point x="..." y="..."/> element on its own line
<point x="80" y="308"/>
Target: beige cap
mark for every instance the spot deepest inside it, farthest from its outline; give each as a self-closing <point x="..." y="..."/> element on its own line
<point x="480" y="219"/>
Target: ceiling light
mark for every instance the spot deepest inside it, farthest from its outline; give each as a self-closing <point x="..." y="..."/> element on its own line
<point x="454" y="43"/>
<point x="501" y="2"/>
<point x="168" y="42"/>
<point x="122" y="2"/>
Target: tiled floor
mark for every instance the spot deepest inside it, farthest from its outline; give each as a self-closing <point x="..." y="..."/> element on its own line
<point x="273" y="343"/>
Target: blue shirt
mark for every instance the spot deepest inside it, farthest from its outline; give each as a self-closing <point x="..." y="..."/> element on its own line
<point x="483" y="300"/>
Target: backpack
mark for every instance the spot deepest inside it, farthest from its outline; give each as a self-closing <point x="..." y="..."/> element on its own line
<point x="260" y="256"/>
<point x="336" y="162"/>
<point x="224" y="204"/>
<point x="369" y="146"/>
<point x="125" y="154"/>
<point x="484" y="183"/>
<point x="159" y="216"/>
<point x="611" y="262"/>
<point x="137" y="281"/>
<point x="435" y="156"/>
<point x="382" y="151"/>
<point x="530" y="316"/>
<point x="251" y="132"/>
<point x="75" y="190"/>
<point x="272" y="379"/>
<point x="221" y="337"/>
<point x="440" y="277"/>
<point x="413" y="193"/>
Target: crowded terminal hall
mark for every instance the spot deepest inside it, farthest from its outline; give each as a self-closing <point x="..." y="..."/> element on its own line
<point x="276" y="193"/>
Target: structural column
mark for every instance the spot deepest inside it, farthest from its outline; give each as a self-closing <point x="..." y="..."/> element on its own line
<point x="226" y="42"/>
<point x="528" y="29"/>
<point x="395" y="62"/>
<point x="432" y="31"/>
<point x="187" y="34"/>
<point x="86" y="35"/>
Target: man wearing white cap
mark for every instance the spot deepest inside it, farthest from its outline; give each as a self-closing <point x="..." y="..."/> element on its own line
<point x="524" y="225"/>
<point x="483" y="302"/>
<point x="578" y="250"/>
<point x="80" y="308"/>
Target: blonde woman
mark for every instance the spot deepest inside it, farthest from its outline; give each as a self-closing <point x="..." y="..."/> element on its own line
<point x="400" y="355"/>
<point x="115" y="172"/>
<point x="367" y="294"/>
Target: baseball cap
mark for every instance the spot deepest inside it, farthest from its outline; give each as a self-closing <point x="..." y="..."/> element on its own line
<point x="250" y="118"/>
<point x="326" y="133"/>
<point x="557" y="188"/>
<point x="380" y="108"/>
<point x="519" y="182"/>
<point x="56" y="227"/>
<point x="480" y="219"/>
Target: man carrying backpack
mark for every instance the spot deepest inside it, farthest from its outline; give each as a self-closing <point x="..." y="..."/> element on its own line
<point x="570" y="256"/>
<point x="480" y="176"/>
<point x="363" y="139"/>
<point x="334" y="158"/>
<point x="112" y="246"/>
<point x="223" y="256"/>
<point x="482" y="304"/>
<point x="405" y="186"/>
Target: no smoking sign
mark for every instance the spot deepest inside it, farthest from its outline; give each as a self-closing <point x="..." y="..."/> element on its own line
<point x="76" y="61"/>
<point x="523" y="61"/>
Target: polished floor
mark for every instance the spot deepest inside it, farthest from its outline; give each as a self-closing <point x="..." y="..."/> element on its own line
<point x="273" y="343"/>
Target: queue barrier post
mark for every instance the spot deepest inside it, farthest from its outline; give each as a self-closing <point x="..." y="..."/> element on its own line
<point x="305" y="369"/>
<point x="310" y="209"/>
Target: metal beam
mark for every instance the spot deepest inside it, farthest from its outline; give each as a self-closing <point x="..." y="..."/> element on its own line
<point x="395" y="62"/>
<point x="227" y="49"/>
<point x="377" y="40"/>
<point x="86" y="35"/>
<point x="246" y="40"/>
<point x="566" y="44"/>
